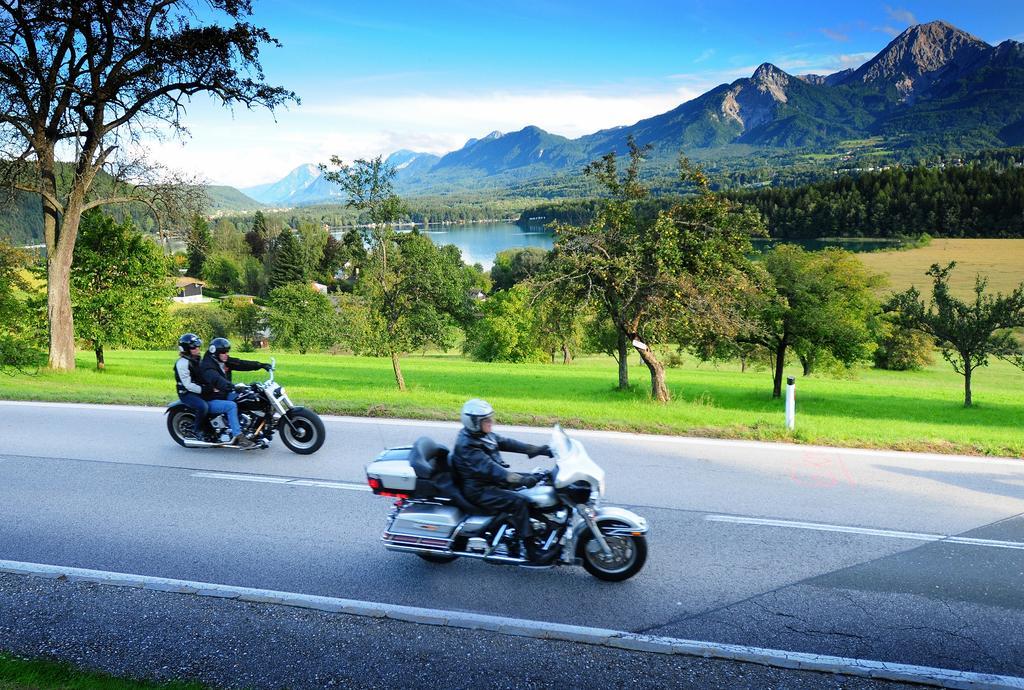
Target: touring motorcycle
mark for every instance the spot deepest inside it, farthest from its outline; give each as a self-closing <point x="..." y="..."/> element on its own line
<point x="432" y="518"/>
<point x="263" y="408"/>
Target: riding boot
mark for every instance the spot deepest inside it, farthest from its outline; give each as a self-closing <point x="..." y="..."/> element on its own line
<point x="536" y="555"/>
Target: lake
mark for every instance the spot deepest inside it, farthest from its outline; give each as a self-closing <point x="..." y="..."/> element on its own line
<point x="481" y="242"/>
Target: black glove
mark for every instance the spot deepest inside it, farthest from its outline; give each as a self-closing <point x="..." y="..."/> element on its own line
<point x="266" y="366"/>
<point x="503" y="463"/>
<point x="541" y="450"/>
<point x="517" y="479"/>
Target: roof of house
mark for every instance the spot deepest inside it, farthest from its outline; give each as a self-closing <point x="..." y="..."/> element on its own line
<point x="185" y="281"/>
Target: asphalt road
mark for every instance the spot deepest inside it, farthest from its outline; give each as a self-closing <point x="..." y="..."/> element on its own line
<point x="794" y="548"/>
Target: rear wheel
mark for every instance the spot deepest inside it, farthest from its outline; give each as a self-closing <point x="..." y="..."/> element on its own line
<point x="181" y="424"/>
<point x="628" y="555"/>
<point x="308" y="433"/>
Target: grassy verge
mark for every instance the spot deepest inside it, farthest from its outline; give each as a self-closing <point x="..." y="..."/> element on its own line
<point x="38" y="674"/>
<point x="920" y="410"/>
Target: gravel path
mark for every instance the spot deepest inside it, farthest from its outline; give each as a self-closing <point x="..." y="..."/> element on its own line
<point x="231" y="644"/>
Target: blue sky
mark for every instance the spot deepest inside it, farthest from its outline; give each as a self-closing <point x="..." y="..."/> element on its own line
<point x="376" y="77"/>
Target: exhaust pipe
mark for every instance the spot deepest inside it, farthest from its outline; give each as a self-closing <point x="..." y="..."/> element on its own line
<point x="507" y="560"/>
<point x="194" y="443"/>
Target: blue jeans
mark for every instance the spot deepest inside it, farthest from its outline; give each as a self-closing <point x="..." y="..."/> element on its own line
<point x="198" y="405"/>
<point x="229" y="408"/>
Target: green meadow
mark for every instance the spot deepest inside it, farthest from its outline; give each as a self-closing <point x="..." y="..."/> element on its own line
<point x="920" y="410"/>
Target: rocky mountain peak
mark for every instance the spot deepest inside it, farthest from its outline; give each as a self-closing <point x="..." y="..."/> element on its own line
<point x="771" y="80"/>
<point x="918" y="54"/>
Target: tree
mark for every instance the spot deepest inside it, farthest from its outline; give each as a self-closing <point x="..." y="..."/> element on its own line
<point x="118" y="288"/>
<point x="90" y="79"/>
<point x="259" y="236"/>
<point x="515" y="265"/>
<point x="224" y="273"/>
<point x="648" y="266"/>
<point x="197" y="245"/>
<point x="816" y="302"/>
<point x="18" y="334"/>
<point x="902" y="349"/>
<point x="506" y="330"/>
<point x="301" y="318"/>
<point x="289" y="261"/>
<point x="413" y="292"/>
<point x="967" y="332"/>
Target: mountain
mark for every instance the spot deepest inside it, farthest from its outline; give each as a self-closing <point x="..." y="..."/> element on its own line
<point x="224" y="198"/>
<point x="920" y="57"/>
<point x="934" y="89"/>
<point x="285" y="190"/>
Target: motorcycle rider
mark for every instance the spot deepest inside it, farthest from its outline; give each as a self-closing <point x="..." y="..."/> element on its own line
<point x="189" y="380"/>
<point x="485" y="478"/>
<point x="216" y="369"/>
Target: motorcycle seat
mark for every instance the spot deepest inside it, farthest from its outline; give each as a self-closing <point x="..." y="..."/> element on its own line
<point x="428" y="458"/>
<point x="434" y="475"/>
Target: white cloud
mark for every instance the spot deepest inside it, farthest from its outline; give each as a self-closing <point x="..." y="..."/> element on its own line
<point x="836" y="35"/>
<point x="706" y="55"/>
<point x="899" y="14"/>
<point x="888" y="30"/>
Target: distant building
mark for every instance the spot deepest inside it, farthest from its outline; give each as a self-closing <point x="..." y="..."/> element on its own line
<point x="189" y="290"/>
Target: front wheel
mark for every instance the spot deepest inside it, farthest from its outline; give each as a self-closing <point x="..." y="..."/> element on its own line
<point x="181" y="424"/>
<point x="307" y="436"/>
<point x="627" y="558"/>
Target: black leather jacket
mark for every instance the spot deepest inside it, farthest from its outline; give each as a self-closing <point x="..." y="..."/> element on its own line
<point x="477" y="459"/>
<point x="220" y="378"/>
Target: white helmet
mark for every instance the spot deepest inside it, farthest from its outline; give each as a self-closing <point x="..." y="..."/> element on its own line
<point x="474" y="412"/>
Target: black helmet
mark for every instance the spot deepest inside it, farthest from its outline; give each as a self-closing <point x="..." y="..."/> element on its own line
<point x="187" y="342"/>
<point x="220" y="345"/>
<point x="474" y="412"/>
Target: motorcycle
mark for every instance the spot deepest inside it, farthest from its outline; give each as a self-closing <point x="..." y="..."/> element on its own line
<point x="263" y="408"/>
<point x="432" y="518"/>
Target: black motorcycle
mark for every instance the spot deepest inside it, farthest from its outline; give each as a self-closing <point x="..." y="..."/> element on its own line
<point x="263" y="408"/>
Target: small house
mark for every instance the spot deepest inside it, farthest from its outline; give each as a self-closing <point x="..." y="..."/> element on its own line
<point x="189" y="289"/>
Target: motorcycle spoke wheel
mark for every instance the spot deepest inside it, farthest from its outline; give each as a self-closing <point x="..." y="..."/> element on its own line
<point x="181" y="425"/>
<point x="628" y="555"/>
<point x="308" y="434"/>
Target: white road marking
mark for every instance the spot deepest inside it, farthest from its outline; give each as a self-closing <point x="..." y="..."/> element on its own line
<point x="692" y="443"/>
<point x="892" y="534"/>
<point x="602" y="637"/>
<point x="263" y="479"/>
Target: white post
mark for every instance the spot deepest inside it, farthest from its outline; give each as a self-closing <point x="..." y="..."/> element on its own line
<point x="790" y="401"/>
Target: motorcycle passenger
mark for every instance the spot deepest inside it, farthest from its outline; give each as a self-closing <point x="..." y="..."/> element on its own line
<point x="216" y="369"/>
<point x="486" y="479"/>
<point x="189" y="380"/>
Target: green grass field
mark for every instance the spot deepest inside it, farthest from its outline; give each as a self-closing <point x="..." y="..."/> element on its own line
<point x="1002" y="261"/>
<point x="905" y="410"/>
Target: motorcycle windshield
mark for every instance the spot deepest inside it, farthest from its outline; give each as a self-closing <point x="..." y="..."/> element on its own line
<point x="573" y="464"/>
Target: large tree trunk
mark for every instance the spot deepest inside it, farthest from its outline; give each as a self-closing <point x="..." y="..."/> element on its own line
<point x="659" y="391"/>
<point x="100" y="362"/>
<point x="58" y="308"/>
<point x="399" y="379"/>
<point x="623" y="347"/>
<point x="566" y="354"/>
<point x="780" y="364"/>
<point x="967" y="385"/>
